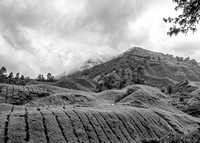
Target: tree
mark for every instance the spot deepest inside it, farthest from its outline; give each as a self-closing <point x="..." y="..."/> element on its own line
<point x="10" y="76"/>
<point x="49" y="76"/>
<point x="3" y="70"/>
<point x="179" y="59"/>
<point x="170" y="89"/>
<point x="22" y="77"/>
<point x="187" y="20"/>
<point x="193" y="62"/>
<point x="140" y="70"/>
<point x="99" y="87"/>
<point x="3" y="74"/>
<point x="40" y="77"/>
<point x="187" y="59"/>
<point x="17" y="76"/>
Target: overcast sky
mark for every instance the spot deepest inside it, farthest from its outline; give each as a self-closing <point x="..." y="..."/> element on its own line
<point x="57" y="36"/>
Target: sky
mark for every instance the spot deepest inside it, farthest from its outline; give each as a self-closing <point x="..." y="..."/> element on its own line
<point x="58" y="36"/>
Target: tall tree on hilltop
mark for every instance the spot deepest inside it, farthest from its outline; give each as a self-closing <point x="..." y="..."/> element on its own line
<point x="22" y="77"/>
<point x="187" y="20"/>
<point x="17" y="76"/>
<point x="10" y="76"/>
<point x="3" y="74"/>
<point x="40" y="77"/>
<point x="50" y="77"/>
<point x="3" y="70"/>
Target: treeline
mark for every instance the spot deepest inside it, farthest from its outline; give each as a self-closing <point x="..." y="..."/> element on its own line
<point x="49" y="78"/>
<point x="21" y="79"/>
<point x="187" y="60"/>
<point x="11" y="79"/>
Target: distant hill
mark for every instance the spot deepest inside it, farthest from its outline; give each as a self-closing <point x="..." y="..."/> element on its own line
<point x="138" y="65"/>
<point x="83" y="84"/>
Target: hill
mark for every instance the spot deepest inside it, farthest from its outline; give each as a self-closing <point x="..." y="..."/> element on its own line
<point x="46" y="113"/>
<point x="138" y="65"/>
<point x="83" y="84"/>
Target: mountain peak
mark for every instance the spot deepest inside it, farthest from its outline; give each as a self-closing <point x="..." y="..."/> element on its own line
<point x="141" y="51"/>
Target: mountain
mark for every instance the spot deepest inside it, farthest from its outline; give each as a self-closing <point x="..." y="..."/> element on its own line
<point x="138" y="65"/>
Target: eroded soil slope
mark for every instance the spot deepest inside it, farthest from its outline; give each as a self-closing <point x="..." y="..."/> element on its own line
<point x="44" y="113"/>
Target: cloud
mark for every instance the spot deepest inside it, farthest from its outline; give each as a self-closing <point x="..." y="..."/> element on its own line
<point x="110" y="19"/>
<point x="44" y="36"/>
<point x="187" y="48"/>
<point x="62" y="34"/>
<point x="15" y="16"/>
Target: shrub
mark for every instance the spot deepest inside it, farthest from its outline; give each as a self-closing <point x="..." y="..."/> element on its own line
<point x="163" y="89"/>
<point x="170" y="89"/>
<point x="193" y="137"/>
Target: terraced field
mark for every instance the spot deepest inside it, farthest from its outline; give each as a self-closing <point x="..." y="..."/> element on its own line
<point x="48" y="114"/>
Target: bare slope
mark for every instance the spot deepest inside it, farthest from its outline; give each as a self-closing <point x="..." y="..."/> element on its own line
<point x="44" y="113"/>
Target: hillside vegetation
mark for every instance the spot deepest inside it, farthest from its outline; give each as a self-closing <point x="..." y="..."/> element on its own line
<point x="45" y="113"/>
<point x="142" y="66"/>
<point x="83" y="84"/>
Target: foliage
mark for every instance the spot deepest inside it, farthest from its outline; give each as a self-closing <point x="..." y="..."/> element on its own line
<point x="187" y="20"/>
<point x="192" y="137"/>
<point x="193" y="110"/>
<point x="50" y="77"/>
<point x="186" y="98"/>
<point x="17" y="76"/>
<point x="140" y="70"/>
<point x="21" y="80"/>
<point x="170" y="89"/>
<point x="3" y="70"/>
<point x="120" y="78"/>
<point x="40" y="77"/>
<point x="10" y="79"/>
<point x="163" y="89"/>
<point x="10" y="75"/>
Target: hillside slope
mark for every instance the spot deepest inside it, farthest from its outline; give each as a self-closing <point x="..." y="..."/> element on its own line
<point x="83" y="84"/>
<point x="138" y="65"/>
<point x="45" y="113"/>
<point x="186" y="97"/>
